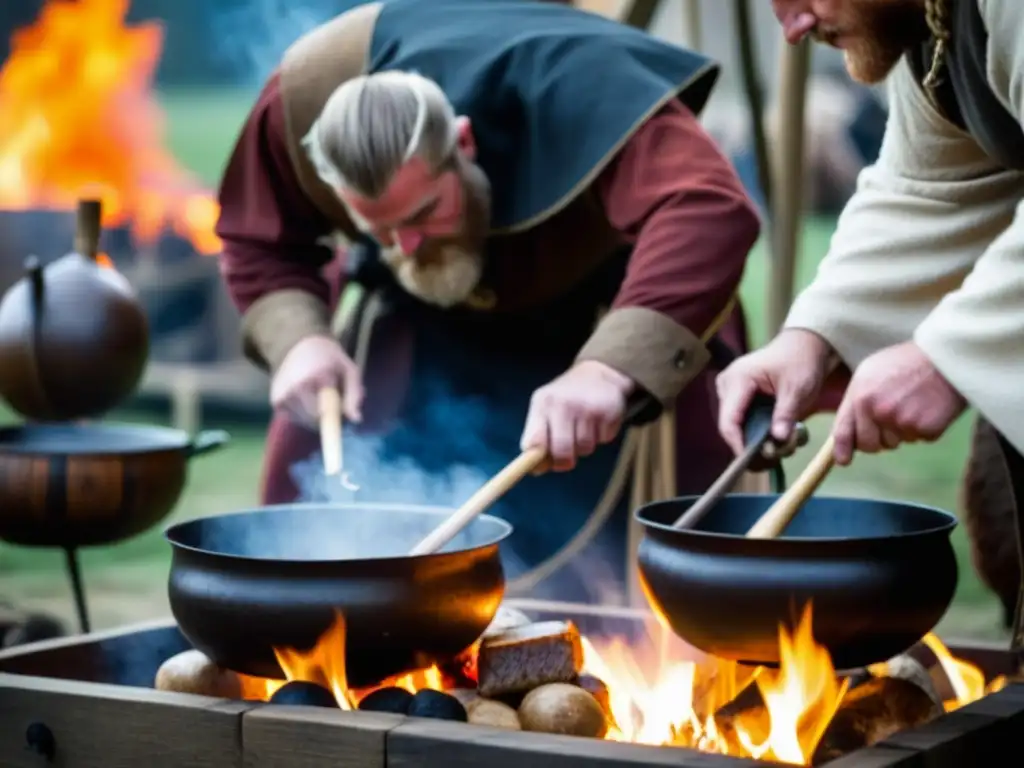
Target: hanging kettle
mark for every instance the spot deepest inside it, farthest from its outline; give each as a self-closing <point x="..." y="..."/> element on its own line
<point x="74" y="339"/>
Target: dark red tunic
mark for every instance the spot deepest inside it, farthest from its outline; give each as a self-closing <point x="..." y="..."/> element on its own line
<point x="670" y="192"/>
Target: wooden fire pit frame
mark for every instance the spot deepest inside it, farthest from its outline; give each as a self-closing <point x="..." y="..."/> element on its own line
<point x="166" y="730"/>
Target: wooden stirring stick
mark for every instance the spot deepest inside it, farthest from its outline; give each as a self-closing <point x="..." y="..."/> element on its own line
<point x="489" y="493"/>
<point x="329" y="403"/>
<point x="774" y="521"/>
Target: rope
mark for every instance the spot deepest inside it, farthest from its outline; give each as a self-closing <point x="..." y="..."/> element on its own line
<point x="936" y="13"/>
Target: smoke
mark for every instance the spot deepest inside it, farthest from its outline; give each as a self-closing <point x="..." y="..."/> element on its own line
<point x="445" y="449"/>
<point x="252" y="36"/>
<point x="441" y="453"/>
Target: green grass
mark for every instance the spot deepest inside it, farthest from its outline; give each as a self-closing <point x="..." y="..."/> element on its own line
<point x="201" y="130"/>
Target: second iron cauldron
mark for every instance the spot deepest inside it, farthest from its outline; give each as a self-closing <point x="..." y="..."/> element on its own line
<point x="879" y="576"/>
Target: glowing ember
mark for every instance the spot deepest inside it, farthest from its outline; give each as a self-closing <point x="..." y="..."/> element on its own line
<point x="78" y="118"/>
<point x="658" y="699"/>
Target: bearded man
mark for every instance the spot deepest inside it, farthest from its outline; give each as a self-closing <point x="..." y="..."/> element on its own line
<point x="922" y="292"/>
<point x="537" y="227"/>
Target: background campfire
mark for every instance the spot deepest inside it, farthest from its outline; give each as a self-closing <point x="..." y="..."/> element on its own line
<point x="79" y="118"/>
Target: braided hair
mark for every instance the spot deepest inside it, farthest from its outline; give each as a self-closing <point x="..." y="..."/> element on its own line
<point x="936" y="13"/>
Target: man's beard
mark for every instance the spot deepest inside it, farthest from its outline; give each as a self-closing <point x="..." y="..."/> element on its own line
<point x="877" y="33"/>
<point x="446" y="271"/>
<point x="449" y="278"/>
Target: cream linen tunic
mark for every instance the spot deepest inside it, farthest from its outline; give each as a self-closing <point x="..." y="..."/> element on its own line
<point x="931" y="245"/>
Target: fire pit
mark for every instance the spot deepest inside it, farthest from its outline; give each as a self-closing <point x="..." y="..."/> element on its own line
<point x="90" y="701"/>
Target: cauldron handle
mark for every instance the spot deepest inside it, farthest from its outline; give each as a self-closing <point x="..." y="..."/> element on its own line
<point x="758" y="422"/>
<point x="207" y="441"/>
<point x="36" y="303"/>
<point x="37" y="289"/>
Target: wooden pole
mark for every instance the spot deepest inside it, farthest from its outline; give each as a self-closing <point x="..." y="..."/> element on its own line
<point x="788" y="177"/>
<point x="753" y="88"/>
<point x="692" y="25"/>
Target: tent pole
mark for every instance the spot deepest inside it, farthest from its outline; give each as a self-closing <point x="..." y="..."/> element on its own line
<point x="788" y="178"/>
<point x="753" y="88"/>
<point x="693" y="34"/>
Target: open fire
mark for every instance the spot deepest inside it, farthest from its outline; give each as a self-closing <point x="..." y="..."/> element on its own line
<point x="658" y="696"/>
<point x="78" y="119"/>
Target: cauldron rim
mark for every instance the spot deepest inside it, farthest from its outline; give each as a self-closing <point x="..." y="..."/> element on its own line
<point x="150" y="438"/>
<point x="502" y="530"/>
<point x="642" y="516"/>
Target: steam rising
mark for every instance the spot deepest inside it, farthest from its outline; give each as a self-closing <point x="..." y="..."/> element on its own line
<point x="253" y="36"/>
<point x="441" y="453"/>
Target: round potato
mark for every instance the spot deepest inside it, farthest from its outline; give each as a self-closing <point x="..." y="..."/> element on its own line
<point x="493" y="714"/>
<point x="193" y="672"/>
<point x="562" y="708"/>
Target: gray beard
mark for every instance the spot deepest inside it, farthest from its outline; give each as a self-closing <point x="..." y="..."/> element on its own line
<point x="447" y="283"/>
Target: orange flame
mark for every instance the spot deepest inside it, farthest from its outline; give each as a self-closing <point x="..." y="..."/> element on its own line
<point x="966" y="680"/>
<point x="78" y="118"/>
<point x="658" y="697"/>
<point x="324" y="664"/>
<point x="800" y="698"/>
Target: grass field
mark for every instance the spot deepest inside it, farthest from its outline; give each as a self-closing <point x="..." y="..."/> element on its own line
<point x="126" y="581"/>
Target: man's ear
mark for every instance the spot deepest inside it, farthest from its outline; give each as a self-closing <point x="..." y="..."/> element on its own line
<point x="466" y="140"/>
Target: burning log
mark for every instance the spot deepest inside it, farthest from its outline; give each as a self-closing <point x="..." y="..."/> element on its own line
<point x="192" y="672"/>
<point x="904" y="697"/>
<point x="526" y="657"/>
<point x="460" y="672"/>
<point x="562" y="708"/>
<point x="910" y="669"/>
<point x="873" y="708"/>
<point x="872" y="712"/>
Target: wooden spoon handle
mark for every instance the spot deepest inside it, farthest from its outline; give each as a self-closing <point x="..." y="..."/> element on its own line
<point x="329" y="401"/>
<point x="489" y="493"/>
<point x="774" y="521"/>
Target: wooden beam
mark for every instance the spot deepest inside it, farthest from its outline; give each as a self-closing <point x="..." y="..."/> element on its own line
<point x="417" y="743"/>
<point x="315" y="737"/>
<point x="79" y="725"/>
